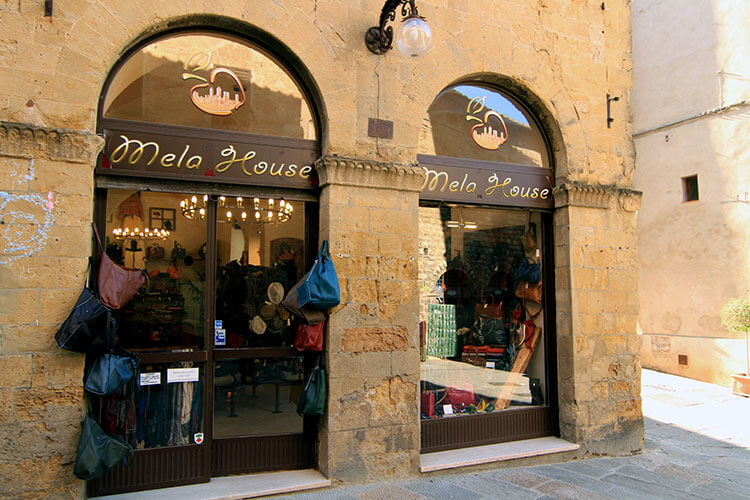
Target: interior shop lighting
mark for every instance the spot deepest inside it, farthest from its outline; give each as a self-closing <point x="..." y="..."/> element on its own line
<point x="262" y="210"/>
<point x="413" y="37"/>
<point x="136" y="233"/>
<point x="460" y="223"/>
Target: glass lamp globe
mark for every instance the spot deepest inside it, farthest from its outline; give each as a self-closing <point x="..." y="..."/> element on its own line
<point x="413" y="37"/>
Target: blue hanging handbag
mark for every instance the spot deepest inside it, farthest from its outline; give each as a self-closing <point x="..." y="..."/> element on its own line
<point x="109" y="372"/>
<point x="320" y="288"/>
<point x="528" y="270"/>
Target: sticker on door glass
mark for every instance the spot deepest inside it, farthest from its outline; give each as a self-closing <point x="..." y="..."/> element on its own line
<point x="152" y="378"/>
<point x="182" y="375"/>
<point x="220" y="336"/>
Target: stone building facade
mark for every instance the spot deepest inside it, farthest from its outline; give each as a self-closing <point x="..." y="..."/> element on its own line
<point x="561" y="60"/>
<point x="695" y="137"/>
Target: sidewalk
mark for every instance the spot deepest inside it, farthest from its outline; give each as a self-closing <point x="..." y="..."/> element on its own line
<point x="697" y="446"/>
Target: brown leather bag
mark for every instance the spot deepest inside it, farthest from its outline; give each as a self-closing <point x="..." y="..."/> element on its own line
<point x="530" y="292"/>
<point x="116" y="284"/>
<point x="308" y="314"/>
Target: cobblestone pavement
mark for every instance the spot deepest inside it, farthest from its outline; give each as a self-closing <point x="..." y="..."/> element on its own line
<point x="697" y="446"/>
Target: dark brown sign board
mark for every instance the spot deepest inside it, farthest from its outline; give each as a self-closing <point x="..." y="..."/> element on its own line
<point x="486" y="183"/>
<point x="138" y="149"/>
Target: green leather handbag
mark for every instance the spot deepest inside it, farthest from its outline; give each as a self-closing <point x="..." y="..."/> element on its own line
<point x="98" y="451"/>
<point x="313" y="399"/>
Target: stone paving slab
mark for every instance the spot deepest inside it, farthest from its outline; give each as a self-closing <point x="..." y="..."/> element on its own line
<point x="695" y="448"/>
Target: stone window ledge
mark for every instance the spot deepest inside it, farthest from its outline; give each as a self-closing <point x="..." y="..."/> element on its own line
<point x="494" y="453"/>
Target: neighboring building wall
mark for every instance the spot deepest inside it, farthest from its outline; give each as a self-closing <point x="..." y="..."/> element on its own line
<point x="562" y="58"/>
<point x="691" y="117"/>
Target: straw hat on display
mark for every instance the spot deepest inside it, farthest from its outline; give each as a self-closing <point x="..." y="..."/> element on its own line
<point x="258" y="325"/>
<point x="276" y="292"/>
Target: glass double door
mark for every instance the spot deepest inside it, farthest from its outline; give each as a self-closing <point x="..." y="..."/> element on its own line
<point x="219" y="379"/>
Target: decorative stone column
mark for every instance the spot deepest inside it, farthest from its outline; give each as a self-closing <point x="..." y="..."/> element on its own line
<point x="369" y="215"/>
<point x="599" y="370"/>
<point x="45" y="214"/>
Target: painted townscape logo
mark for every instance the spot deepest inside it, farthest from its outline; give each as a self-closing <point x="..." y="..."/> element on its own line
<point x="485" y="133"/>
<point x="208" y="96"/>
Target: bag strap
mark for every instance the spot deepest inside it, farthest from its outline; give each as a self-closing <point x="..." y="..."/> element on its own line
<point x="323" y="253"/>
<point x="98" y="239"/>
<point x="532" y="316"/>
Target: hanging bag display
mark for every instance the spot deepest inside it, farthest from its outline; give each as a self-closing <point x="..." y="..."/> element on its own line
<point x="89" y="328"/>
<point x="313" y="400"/>
<point x="308" y="314"/>
<point x="116" y="284"/>
<point x="110" y="371"/>
<point x="309" y="337"/>
<point x="530" y="292"/>
<point x="98" y="452"/>
<point x="528" y="270"/>
<point x="320" y="288"/>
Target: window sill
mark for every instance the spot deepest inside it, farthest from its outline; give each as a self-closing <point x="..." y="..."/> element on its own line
<point x="494" y="453"/>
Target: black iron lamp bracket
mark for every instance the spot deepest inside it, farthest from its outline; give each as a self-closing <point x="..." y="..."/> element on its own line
<point x="379" y="39"/>
<point x="610" y="100"/>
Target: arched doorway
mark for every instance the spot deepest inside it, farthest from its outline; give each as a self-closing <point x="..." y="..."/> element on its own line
<point x="206" y="183"/>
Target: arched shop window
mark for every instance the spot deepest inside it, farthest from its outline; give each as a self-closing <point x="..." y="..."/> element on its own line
<point x="206" y="183"/>
<point x="485" y="272"/>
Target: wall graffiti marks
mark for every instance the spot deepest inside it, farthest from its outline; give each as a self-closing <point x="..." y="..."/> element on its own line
<point x="19" y="174"/>
<point x="25" y="223"/>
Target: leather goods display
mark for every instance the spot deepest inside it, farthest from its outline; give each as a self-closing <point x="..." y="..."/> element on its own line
<point x="109" y="372"/>
<point x="313" y="400"/>
<point x="456" y="396"/>
<point x="427" y="404"/>
<point x="98" y="451"/>
<point x="309" y="337"/>
<point x="155" y="252"/>
<point x="89" y="328"/>
<point x="291" y="304"/>
<point x="116" y="284"/>
<point x="178" y="252"/>
<point x="489" y="331"/>
<point x="320" y="288"/>
<point x="531" y="292"/>
<point x="528" y="270"/>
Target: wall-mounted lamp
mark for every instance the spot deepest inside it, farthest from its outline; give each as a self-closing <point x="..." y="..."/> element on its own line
<point x="413" y="36"/>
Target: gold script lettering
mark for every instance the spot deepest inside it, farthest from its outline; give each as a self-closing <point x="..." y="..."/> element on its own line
<point x="494" y="181"/>
<point x="305" y="171"/>
<point x="291" y="170"/>
<point x="431" y="179"/>
<point x="230" y="153"/>
<point x="124" y="148"/>
<point x="194" y="164"/>
<point x="260" y="168"/>
<point x="169" y="157"/>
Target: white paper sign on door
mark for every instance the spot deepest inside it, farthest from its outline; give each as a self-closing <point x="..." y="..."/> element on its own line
<point x="150" y="378"/>
<point x="182" y="375"/>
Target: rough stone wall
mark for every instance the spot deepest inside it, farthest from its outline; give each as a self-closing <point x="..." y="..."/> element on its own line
<point x="562" y="58"/>
<point x="45" y="210"/>
<point x="371" y="427"/>
<point x="597" y="309"/>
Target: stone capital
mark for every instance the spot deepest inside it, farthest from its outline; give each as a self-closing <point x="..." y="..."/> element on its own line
<point x="590" y="196"/>
<point x="20" y="140"/>
<point x="344" y="171"/>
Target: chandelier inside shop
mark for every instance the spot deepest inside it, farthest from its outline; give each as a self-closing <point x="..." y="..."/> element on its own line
<point x="136" y="233"/>
<point x="262" y="210"/>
